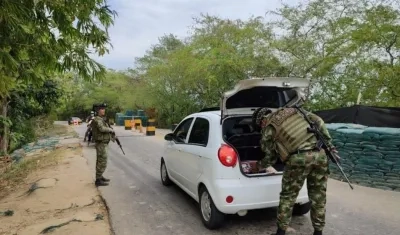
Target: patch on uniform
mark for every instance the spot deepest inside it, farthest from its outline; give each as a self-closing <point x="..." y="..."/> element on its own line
<point x="281" y="115"/>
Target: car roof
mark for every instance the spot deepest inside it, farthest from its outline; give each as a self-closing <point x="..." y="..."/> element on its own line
<point x="211" y="114"/>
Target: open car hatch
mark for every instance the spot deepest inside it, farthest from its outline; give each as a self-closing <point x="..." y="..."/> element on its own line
<point x="273" y="93"/>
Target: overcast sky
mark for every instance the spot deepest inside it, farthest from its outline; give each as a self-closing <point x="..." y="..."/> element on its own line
<point x="141" y="22"/>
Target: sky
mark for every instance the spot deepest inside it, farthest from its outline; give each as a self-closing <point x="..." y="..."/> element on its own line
<point x="140" y="23"/>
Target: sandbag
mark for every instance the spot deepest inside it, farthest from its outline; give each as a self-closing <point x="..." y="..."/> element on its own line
<point x="391" y="152"/>
<point x="338" y="144"/>
<point x="394" y="181"/>
<point x="372" y="136"/>
<point x="389" y="138"/>
<point x="394" y="142"/>
<point x="335" y="126"/>
<point x="369" y="147"/>
<point x="394" y="175"/>
<point x="370" y="161"/>
<point x="359" y="173"/>
<point x="351" y="149"/>
<point x="388" y="148"/>
<point x="370" y="154"/>
<point x="376" y="174"/>
<point x="395" y="160"/>
<point x="382" y="130"/>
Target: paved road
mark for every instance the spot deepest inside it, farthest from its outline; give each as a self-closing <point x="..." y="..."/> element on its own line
<point x="139" y="204"/>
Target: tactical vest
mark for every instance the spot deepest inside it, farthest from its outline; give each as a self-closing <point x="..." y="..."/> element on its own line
<point x="290" y="131"/>
<point x="97" y="135"/>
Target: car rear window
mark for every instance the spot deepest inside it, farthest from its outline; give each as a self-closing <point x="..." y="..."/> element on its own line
<point x="272" y="97"/>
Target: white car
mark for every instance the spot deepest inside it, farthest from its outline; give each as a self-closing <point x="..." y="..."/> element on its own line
<point x="207" y="152"/>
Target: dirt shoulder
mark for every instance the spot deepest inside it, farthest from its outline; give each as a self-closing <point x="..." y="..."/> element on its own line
<point x="51" y="191"/>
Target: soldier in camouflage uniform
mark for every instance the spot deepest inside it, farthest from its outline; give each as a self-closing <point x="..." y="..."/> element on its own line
<point x="102" y="135"/>
<point x="284" y="135"/>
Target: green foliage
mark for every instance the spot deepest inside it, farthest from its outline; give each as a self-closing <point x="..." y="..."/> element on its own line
<point x="31" y="110"/>
<point x="119" y="90"/>
<point x="184" y="76"/>
<point x="39" y="40"/>
<point x="344" y="47"/>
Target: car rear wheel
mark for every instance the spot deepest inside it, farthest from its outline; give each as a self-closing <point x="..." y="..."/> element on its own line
<point x="164" y="174"/>
<point x="212" y="218"/>
<point x="301" y="209"/>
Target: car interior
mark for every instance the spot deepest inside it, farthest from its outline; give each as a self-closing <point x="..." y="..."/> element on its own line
<point x="240" y="133"/>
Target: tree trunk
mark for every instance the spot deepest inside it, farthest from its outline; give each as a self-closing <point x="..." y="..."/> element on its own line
<point x="5" y="134"/>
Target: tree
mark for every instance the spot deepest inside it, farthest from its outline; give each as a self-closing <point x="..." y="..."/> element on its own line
<point x="41" y="38"/>
<point x="183" y="77"/>
<point x="341" y="47"/>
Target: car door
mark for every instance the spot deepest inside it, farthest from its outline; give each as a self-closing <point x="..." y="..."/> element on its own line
<point x="194" y="151"/>
<point x="174" y="152"/>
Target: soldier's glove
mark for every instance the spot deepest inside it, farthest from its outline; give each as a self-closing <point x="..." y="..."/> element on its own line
<point x="271" y="170"/>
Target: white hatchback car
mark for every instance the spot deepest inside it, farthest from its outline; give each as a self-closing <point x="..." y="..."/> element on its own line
<point x="206" y="153"/>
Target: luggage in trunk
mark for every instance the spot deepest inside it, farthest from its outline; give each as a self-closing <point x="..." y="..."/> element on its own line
<point x="247" y="143"/>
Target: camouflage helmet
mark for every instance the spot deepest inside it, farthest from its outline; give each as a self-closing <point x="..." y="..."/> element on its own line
<point x="258" y="116"/>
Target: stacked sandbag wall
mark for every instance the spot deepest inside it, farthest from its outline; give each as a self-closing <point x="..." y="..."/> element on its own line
<point x="370" y="155"/>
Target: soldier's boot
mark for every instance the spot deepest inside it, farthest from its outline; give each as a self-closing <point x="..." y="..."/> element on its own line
<point x="317" y="232"/>
<point x="105" y="179"/>
<point x="280" y="232"/>
<point x="100" y="182"/>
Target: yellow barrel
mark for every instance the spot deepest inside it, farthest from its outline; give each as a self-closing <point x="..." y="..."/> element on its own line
<point x="128" y="125"/>
<point x="151" y="127"/>
<point x="138" y="123"/>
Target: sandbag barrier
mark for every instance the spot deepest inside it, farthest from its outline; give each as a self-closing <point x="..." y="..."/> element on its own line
<point x="370" y="155"/>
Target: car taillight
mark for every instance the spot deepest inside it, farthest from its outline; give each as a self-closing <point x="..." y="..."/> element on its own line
<point x="227" y="155"/>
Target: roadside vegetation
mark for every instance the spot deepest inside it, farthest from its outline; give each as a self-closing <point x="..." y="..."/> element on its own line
<point x="349" y="50"/>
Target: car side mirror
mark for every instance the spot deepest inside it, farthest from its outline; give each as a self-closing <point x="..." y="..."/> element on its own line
<point x="169" y="137"/>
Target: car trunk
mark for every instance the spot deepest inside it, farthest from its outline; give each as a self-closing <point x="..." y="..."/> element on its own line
<point x="237" y="107"/>
<point x="239" y="133"/>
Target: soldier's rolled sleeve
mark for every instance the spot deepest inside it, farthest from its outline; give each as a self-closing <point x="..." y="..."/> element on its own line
<point x="267" y="146"/>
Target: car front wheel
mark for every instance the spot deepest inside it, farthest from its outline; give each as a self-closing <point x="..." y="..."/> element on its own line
<point x="212" y="218"/>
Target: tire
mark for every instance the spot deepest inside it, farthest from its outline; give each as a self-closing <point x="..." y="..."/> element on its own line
<point x="212" y="218"/>
<point x="165" y="180"/>
<point x="301" y="209"/>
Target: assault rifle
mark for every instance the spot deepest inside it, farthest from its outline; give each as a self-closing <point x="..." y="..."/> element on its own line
<point x="116" y="139"/>
<point x="314" y="129"/>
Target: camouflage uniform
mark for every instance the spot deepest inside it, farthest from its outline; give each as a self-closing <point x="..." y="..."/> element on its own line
<point x="102" y="136"/>
<point x="311" y="165"/>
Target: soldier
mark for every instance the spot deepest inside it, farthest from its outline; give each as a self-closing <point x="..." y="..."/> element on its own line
<point x="89" y="120"/>
<point x="284" y="135"/>
<point x="102" y="135"/>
